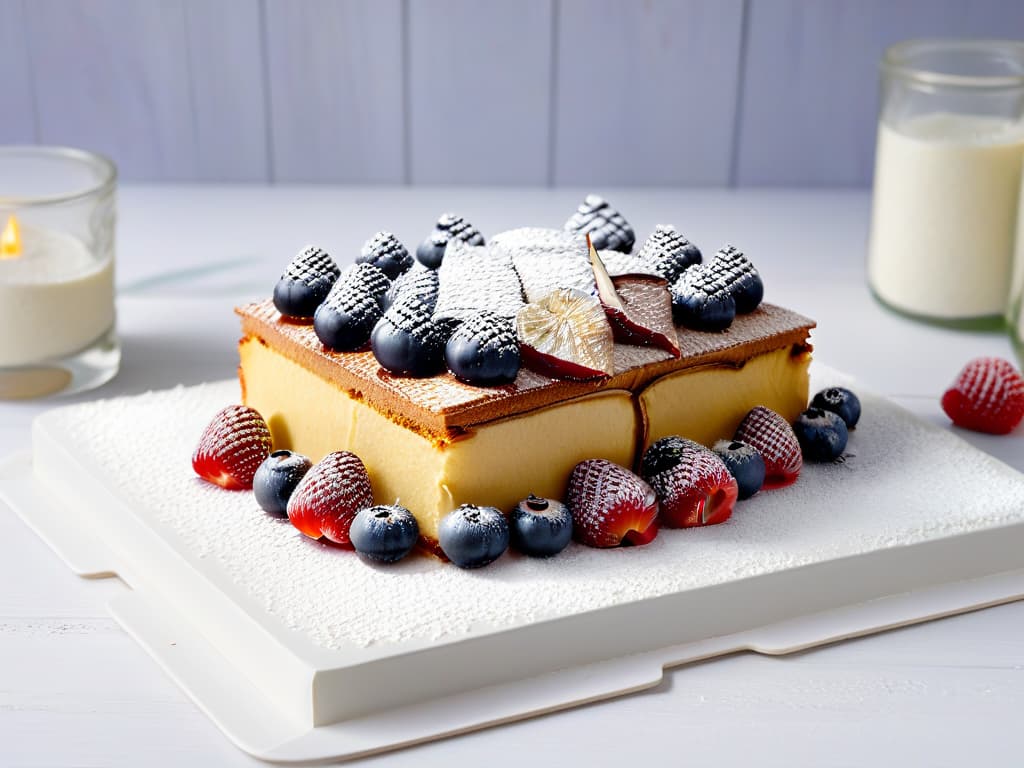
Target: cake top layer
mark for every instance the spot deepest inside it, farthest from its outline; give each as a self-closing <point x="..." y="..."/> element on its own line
<point x="441" y="407"/>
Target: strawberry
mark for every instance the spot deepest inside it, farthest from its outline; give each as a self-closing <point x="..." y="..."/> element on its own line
<point x="693" y="484"/>
<point x="770" y="434"/>
<point x="987" y="396"/>
<point x="329" y="497"/>
<point x="232" y="447"/>
<point x="610" y="505"/>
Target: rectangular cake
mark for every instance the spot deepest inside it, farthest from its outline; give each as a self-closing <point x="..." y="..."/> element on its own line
<point x="435" y="443"/>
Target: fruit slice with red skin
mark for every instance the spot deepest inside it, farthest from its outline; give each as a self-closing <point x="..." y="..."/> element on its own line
<point x="566" y="335"/>
<point x="770" y="434"/>
<point x="639" y="307"/>
<point x="232" y="447"/>
<point x="987" y="396"/>
<point x="611" y="506"/>
<point x="697" y="491"/>
<point x="329" y="496"/>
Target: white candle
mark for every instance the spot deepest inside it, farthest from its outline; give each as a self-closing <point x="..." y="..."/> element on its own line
<point x="56" y="298"/>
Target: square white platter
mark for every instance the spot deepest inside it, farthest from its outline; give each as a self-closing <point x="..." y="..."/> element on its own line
<point x="300" y="651"/>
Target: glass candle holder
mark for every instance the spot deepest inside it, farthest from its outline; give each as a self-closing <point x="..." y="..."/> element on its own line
<point x="947" y="179"/>
<point x="57" y="320"/>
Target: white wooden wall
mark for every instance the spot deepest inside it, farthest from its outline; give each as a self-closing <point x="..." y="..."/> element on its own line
<point x="533" y="92"/>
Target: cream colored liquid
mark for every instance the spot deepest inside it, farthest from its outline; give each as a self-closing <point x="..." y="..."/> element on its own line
<point x="54" y="300"/>
<point x="944" y="214"/>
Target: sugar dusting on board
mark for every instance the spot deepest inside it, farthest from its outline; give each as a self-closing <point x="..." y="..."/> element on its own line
<point x="902" y="482"/>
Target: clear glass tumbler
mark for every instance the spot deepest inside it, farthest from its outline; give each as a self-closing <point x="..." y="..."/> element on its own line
<point x="947" y="179"/>
<point x="57" y="319"/>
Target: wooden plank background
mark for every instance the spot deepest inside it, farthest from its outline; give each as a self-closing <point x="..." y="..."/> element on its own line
<point x="531" y="92"/>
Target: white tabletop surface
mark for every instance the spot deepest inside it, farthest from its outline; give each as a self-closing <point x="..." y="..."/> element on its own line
<point x="76" y="690"/>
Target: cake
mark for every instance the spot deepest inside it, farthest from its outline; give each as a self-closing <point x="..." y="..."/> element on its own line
<point x="435" y="442"/>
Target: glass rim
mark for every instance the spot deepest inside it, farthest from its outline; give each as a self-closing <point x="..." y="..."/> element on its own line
<point x="896" y="58"/>
<point x="105" y="167"/>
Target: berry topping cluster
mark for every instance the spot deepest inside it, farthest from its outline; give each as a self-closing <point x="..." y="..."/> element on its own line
<point x="555" y="289"/>
<point x="707" y="297"/>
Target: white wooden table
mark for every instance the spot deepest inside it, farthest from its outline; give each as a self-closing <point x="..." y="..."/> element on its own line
<point x="76" y="690"/>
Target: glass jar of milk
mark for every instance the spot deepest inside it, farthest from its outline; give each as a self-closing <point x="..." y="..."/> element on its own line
<point x="948" y="179"/>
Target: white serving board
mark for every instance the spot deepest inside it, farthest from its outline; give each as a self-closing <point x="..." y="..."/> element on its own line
<point x="915" y="524"/>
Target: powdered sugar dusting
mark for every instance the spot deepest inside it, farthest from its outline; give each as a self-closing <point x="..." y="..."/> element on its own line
<point x="773" y="438"/>
<point x="902" y="481"/>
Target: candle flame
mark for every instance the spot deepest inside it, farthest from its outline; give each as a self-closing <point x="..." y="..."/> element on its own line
<point x="10" y="240"/>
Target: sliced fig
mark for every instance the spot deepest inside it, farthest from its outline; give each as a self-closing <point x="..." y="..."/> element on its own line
<point x="639" y="307"/>
<point x="566" y="335"/>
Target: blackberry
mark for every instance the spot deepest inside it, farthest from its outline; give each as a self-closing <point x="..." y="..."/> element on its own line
<point x="701" y="299"/>
<point x="420" y="284"/>
<point x="665" y="454"/>
<point x="668" y="252"/>
<point x="387" y="253"/>
<point x="306" y="281"/>
<point x="745" y="283"/>
<point x="450" y="226"/>
<point x="366" y="276"/>
<point x="608" y="229"/>
<point x="347" y="316"/>
<point x="484" y="350"/>
<point x="406" y="341"/>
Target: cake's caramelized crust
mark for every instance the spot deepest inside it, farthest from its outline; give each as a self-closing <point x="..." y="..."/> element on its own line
<point x="442" y="408"/>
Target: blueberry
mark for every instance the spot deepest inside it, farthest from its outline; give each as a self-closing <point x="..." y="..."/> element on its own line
<point x="385" y="533"/>
<point x="406" y="342"/>
<point x="473" y="536"/>
<point x="430" y="253"/>
<point x="704" y="312"/>
<point x="276" y="478"/>
<point x="744" y="463"/>
<point x="840" y="401"/>
<point x="540" y="527"/>
<point x="484" y="350"/>
<point x="822" y="434"/>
